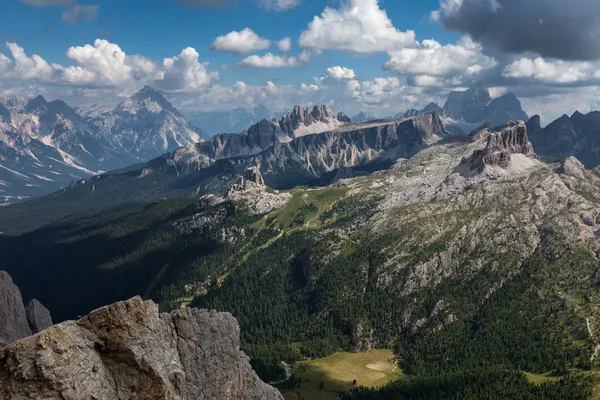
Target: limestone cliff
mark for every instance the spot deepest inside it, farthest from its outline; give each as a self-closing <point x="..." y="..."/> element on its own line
<point x="128" y="351"/>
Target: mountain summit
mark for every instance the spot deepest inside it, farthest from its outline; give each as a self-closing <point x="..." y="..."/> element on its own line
<point x="45" y="145"/>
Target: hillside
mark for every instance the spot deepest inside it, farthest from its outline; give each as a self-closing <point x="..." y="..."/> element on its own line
<point x="471" y="255"/>
<point x="211" y="167"/>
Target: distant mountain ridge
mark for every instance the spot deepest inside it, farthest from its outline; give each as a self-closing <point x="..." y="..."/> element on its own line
<point x="577" y="135"/>
<point x="46" y="145"/>
<point x="284" y="153"/>
<point x="233" y="121"/>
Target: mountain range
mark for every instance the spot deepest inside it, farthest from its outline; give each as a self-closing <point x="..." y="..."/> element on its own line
<point x="46" y="145"/>
<point x="234" y="121"/>
<point x="469" y="255"/>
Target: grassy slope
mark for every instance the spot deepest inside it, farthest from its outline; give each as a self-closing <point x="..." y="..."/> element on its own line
<point x="337" y="372"/>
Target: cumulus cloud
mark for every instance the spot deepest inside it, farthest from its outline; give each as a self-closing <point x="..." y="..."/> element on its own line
<point x="242" y="42"/>
<point x="553" y="71"/>
<point x="434" y="60"/>
<point x="568" y="30"/>
<point x="279" y="5"/>
<point x="270" y="60"/>
<point x="80" y="13"/>
<point x="185" y="72"/>
<point x="339" y="73"/>
<point x="357" y="26"/>
<point x="25" y="67"/>
<point x="103" y="64"/>
<point x="284" y="45"/>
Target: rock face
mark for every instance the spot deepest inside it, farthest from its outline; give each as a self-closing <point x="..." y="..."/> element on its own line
<point x="38" y="316"/>
<point x="250" y="191"/>
<point x="129" y="351"/>
<point x="470" y="106"/>
<point x="254" y="177"/>
<point x="466" y="110"/>
<point x="13" y="319"/>
<point x="262" y="135"/>
<point x="507" y="148"/>
<point x="342" y="117"/>
<point x="503" y="109"/>
<point x="576" y="136"/>
<point x="413" y="112"/>
<point x="44" y="145"/>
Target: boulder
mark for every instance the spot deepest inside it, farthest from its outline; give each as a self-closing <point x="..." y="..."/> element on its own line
<point x="129" y="351"/>
<point x="38" y="316"/>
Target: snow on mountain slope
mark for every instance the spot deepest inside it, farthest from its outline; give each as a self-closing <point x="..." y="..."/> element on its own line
<point x="46" y="145"/>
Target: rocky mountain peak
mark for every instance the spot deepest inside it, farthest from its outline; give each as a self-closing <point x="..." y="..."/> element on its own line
<point x="37" y="102"/>
<point x="507" y="147"/>
<point x="148" y="99"/>
<point x="534" y="123"/>
<point x="128" y="350"/>
<point x="342" y="117"/>
<point x="431" y="107"/>
<point x="470" y="105"/>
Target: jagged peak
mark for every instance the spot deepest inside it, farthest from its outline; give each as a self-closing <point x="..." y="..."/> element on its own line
<point x="36" y="102"/>
<point x="500" y="146"/>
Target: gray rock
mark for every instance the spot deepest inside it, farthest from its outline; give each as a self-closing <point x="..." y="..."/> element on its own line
<point x="572" y="167"/>
<point x="13" y="320"/>
<point x="38" y="316"/>
<point x="470" y="106"/>
<point x="129" y="351"/>
<point x="499" y="149"/>
<point x="576" y="136"/>
<point x="342" y="117"/>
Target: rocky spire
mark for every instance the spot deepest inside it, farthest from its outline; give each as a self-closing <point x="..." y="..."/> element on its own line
<point x="13" y="319"/>
<point x="38" y="316"/>
<point x="129" y="351"/>
<point x="500" y="146"/>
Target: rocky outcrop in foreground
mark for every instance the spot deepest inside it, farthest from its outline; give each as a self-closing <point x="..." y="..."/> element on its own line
<point x="13" y="320"/>
<point x="129" y="351"/>
<point x="16" y="320"/>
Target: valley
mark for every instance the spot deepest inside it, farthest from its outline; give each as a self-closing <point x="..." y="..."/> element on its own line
<point x="449" y="257"/>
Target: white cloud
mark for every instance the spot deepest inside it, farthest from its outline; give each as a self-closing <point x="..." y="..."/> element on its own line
<point x="434" y="60"/>
<point x="103" y="63"/>
<point x="279" y="5"/>
<point x="185" y="72"/>
<point x="339" y="73"/>
<point x="242" y="42"/>
<point x="553" y="71"/>
<point x="271" y="60"/>
<point x="284" y="45"/>
<point x="358" y="26"/>
<point x="25" y="67"/>
<point x="80" y="13"/>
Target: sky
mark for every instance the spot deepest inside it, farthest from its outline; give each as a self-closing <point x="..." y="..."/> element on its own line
<point x="381" y="57"/>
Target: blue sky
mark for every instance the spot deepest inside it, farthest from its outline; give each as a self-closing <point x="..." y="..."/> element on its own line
<point x="379" y="56"/>
<point x="161" y="28"/>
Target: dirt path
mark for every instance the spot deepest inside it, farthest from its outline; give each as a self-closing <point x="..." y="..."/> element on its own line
<point x="597" y="348"/>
